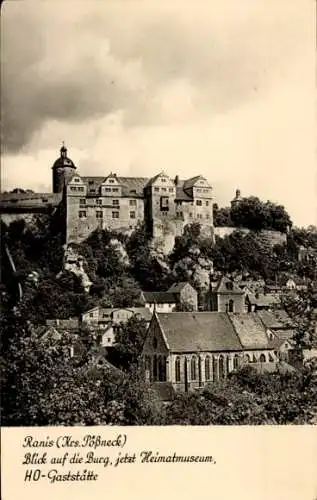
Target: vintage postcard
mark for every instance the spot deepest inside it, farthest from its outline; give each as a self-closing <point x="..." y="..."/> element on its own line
<point x="158" y="214"/>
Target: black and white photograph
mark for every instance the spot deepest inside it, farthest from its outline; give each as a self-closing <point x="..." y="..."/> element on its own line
<point x="158" y="213"/>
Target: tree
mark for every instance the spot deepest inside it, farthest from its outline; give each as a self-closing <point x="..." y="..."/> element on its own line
<point x="253" y="214"/>
<point x="128" y="345"/>
<point x="222" y="216"/>
<point x="42" y="385"/>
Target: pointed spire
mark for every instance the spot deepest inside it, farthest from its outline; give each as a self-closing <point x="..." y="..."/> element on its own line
<point x="63" y="150"/>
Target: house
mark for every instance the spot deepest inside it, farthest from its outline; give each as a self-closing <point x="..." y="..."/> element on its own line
<point x="180" y="296"/>
<point x="192" y="349"/>
<point x="226" y="296"/>
<point x="261" y="301"/>
<point x="105" y="321"/>
<point x="160" y="301"/>
<point x="186" y="296"/>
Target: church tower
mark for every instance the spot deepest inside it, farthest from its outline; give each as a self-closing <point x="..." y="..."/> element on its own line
<point x="63" y="170"/>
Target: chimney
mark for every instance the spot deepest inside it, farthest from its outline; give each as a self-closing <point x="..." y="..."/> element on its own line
<point x="176" y="180"/>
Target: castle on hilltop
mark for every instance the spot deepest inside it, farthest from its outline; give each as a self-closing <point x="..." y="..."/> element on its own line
<point x="86" y="203"/>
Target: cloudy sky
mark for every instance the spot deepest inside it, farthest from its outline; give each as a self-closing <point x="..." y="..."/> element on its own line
<point x="221" y="88"/>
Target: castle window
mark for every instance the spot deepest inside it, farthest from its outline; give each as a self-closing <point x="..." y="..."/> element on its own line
<point x="107" y="190"/>
<point x="207" y="216"/>
<point x="111" y="181"/>
<point x="162" y="179"/>
<point x="164" y="189"/>
<point x="199" y="216"/>
<point x="98" y="202"/>
<point x="115" y="202"/>
<point x="177" y="370"/>
<point x="115" y="215"/>
<point x="262" y="358"/>
<point x="98" y="214"/>
<point x="90" y="182"/>
<point x="190" y="214"/>
<point x="91" y="190"/>
<point x="248" y="358"/>
<point x="82" y="214"/>
<point x="199" y="203"/>
<point x="72" y="188"/>
<point x="156" y="189"/>
<point x="231" y="306"/>
<point x="132" y="202"/>
<point x="115" y="190"/>
<point x="207" y="203"/>
<point x="133" y="191"/>
<point x="164" y="203"/>
<point x="81" y="188"/>
<point x="132" y="215"/>
<point x="82" y="201"/>
<point x="171" y="190"/>
<point x="76" y="179"/>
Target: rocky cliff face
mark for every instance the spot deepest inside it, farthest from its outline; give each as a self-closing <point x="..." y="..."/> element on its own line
<point x="74" y="263"/>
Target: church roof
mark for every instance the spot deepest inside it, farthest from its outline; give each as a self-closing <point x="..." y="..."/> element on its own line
<point x="250" y="329"/>
<point x="203" y="331"/>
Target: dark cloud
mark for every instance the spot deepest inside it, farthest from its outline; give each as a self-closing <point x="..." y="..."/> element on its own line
<point x="98" y="58"/>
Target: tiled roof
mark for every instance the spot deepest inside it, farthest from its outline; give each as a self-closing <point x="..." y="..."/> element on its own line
<point x="263" y="300"/>
<point x="275" y="319"/>
<point x="204" y="331"/>
<point x="63" y="323"/>
<point x="181" y="195"/>
<point x="227" y="286"/>
<point x="250" y="329"/>
<point x="131" y="186"/>
<point x="177" y="287"/>
<point x="285" y="334"/>
<point x="189" y="183"/>
<point x="159" y="297"/>
<point x="53" y="198"/>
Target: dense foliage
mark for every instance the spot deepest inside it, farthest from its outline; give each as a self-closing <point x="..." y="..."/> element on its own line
<point x="254" y="214"/>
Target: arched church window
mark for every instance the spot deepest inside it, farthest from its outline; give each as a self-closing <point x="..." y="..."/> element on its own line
<point x="178" y="369"/>
<point x="154" y="367"/>
<point x="262" y="358"/>
<point x="236" y="362"/>
<point x="193" y="368"/>
<point x="231" y="306"/>
<point x="215" y="369"/>
<point x="221" y="367"/>
<point x="207" y="367"/>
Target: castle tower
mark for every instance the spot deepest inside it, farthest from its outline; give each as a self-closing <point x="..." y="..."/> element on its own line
<point x="237" y="198"/>
<point x="63" y="171"/>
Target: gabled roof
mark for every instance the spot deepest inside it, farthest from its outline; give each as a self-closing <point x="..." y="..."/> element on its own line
<point x="178" y="287"/>
<point x="263" y="300"/>
<point x="203" y="331"/>
<point x="189" y="183"/>
<point x="275" y="319"/>
<point x="131" y="186"/>
<point x="60" y="324"/>
<point x="159" y="297"/>
<point x="227" y="286"/>
<point x="250" y="329"/>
